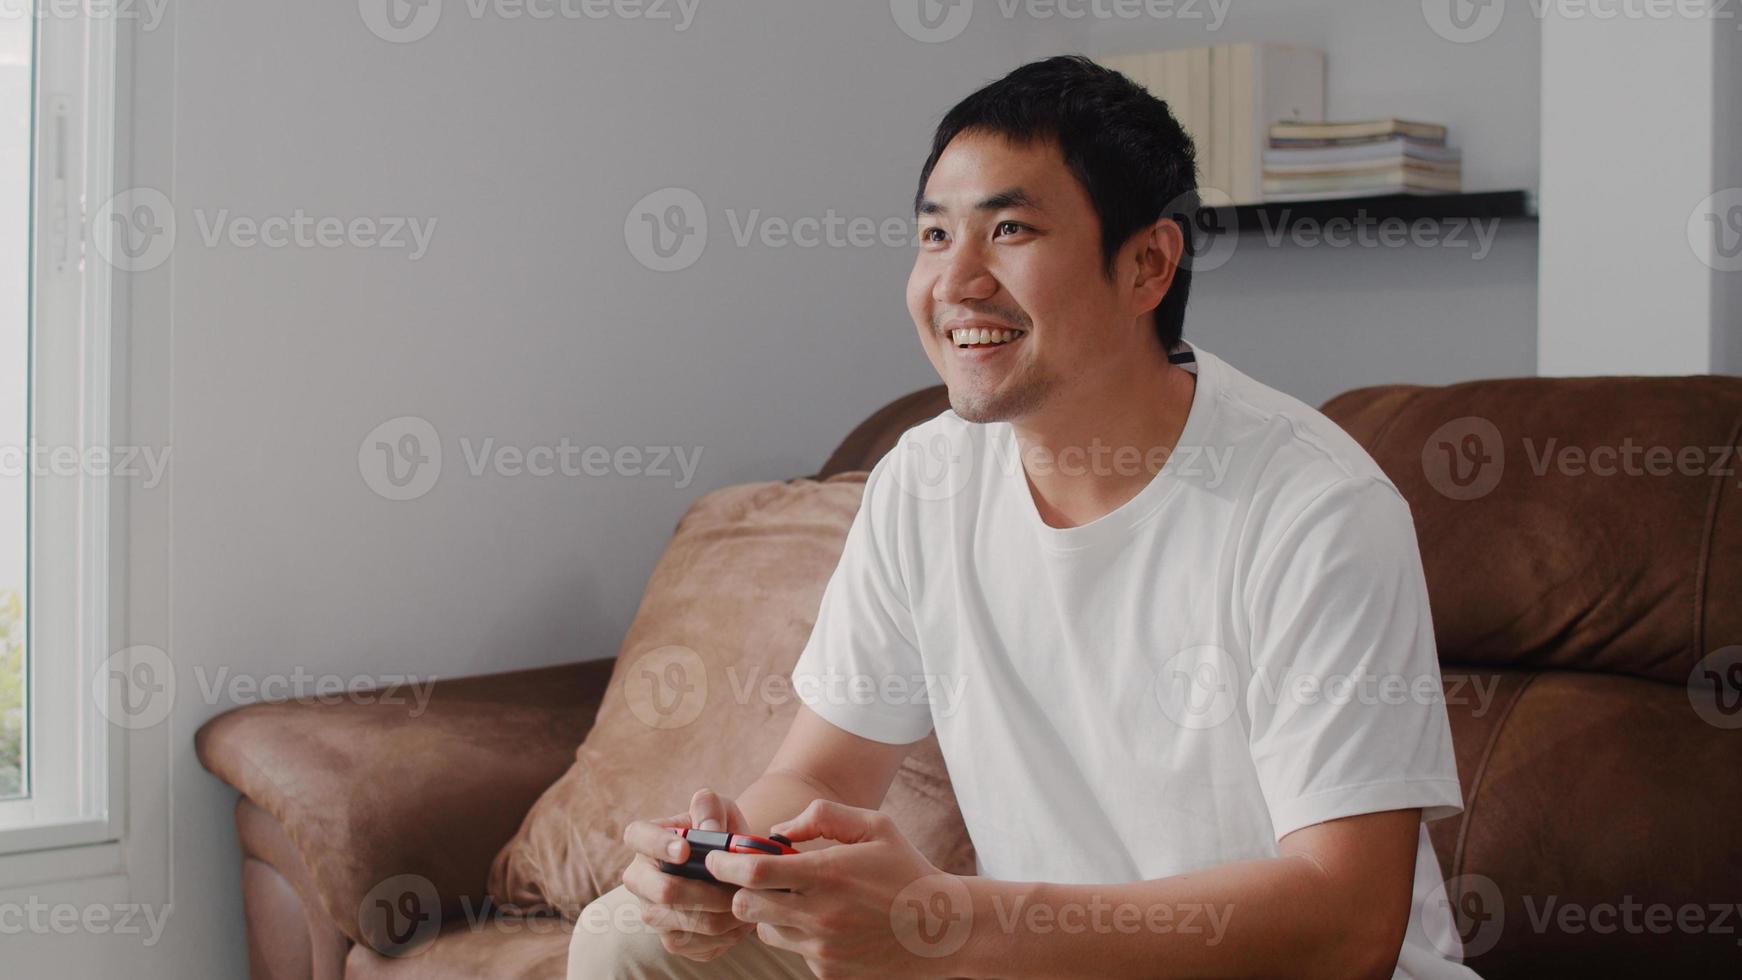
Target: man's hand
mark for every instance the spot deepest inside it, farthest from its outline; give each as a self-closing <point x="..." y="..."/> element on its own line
<point x="838" y="908"/>
<point x="694" y="918"/>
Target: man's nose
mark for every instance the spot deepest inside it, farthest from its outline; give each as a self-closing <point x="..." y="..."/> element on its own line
<point x="965" y="277"/>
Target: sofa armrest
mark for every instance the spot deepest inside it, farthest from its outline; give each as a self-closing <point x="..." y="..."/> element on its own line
<point x="375" y="788"/>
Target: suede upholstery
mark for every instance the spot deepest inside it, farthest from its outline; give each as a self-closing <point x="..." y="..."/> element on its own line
<point x="1583" y="557"/>
<point x="1559" y="565"/>
<point x="375" y="793"/>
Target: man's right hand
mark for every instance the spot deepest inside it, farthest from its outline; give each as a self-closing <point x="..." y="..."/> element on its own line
<point x="693" y="918"/>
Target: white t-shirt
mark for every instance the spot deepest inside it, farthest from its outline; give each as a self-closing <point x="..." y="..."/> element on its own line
<point x="1241" y="650"/>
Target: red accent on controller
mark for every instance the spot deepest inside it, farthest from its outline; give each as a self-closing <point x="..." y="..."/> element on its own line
<point x="746" y="843"/>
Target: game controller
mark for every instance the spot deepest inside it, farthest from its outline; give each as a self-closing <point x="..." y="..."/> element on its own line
<point x="702" y="842"/>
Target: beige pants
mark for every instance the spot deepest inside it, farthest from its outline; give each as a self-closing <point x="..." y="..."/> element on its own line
<point x="611" y="943"/>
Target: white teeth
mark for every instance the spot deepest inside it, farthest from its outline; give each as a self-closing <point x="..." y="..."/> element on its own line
<point x="982" y="335"/>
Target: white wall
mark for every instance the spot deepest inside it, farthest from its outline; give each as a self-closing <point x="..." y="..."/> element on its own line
<point x="1615" y="255"/>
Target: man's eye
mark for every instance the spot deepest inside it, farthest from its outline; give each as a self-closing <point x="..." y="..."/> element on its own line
<point x="932" y="235"/>
<point x="1014" y="226"/>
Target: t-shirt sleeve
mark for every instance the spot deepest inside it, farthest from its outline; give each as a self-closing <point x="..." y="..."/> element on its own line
<point x="1346" y="709"/>
<point x="861" y="668"/>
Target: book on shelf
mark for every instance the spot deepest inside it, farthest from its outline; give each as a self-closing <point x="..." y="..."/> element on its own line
<point x="1220" y="65"/>
<point x="1369" y="129"/>
<point x="1396" y="181"/>
<point x="1376" y="190"/>
<point x="1396" y="150"/>
<point x="1226" y="98"/>
<point x="1448" y="171"/>
<point x="1331" y="159"/>
<point x="1357" y="141"/>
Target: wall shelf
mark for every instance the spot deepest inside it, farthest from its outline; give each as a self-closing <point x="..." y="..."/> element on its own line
<point x="1275" y="215"/>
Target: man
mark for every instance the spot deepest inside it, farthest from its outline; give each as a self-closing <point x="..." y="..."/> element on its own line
<point x="1172" y="625"/>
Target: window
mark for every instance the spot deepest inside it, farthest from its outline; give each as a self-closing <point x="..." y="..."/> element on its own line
<point x="15" y="115"/>
<point x="57" y="788"/>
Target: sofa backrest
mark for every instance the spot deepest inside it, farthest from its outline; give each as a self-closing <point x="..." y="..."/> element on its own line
<point x="1575" y="523"/>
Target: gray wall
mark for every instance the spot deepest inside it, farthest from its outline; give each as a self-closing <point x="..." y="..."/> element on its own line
<point x="1727" y="172"/>
<point x="1319" y="321"/>
<point x="529" y="320"/>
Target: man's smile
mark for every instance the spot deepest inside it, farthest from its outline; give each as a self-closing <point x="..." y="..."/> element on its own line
<point x="981" y="339"/>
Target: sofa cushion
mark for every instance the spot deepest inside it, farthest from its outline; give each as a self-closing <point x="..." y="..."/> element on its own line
<point x="1599" y="835"/>
<point x="701" y="695"/>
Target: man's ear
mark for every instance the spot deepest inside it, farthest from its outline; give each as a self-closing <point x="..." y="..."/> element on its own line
<point x="1160" y="250"/>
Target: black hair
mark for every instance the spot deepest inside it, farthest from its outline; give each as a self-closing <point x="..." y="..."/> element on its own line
<point x="1121" y="143"/>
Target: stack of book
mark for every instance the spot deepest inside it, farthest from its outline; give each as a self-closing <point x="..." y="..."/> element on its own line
<point x="1226" y="97"/>
<point x="1308" y="161"/>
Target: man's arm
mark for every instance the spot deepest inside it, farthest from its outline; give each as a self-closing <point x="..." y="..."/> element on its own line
<point x="817" y="761"/>
<point x="1335" y="903"/>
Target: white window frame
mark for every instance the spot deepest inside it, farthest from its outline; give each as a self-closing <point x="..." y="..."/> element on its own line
<point x="75" y="759"/>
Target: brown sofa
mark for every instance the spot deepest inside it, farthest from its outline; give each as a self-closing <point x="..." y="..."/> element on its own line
<point x="1584" y="597"/>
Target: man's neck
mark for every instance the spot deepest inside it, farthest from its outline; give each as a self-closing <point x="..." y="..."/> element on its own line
<point x="1085" y="457"/>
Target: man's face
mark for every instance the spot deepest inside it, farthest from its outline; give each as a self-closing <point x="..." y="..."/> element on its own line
<point x="1010" y="243"/>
